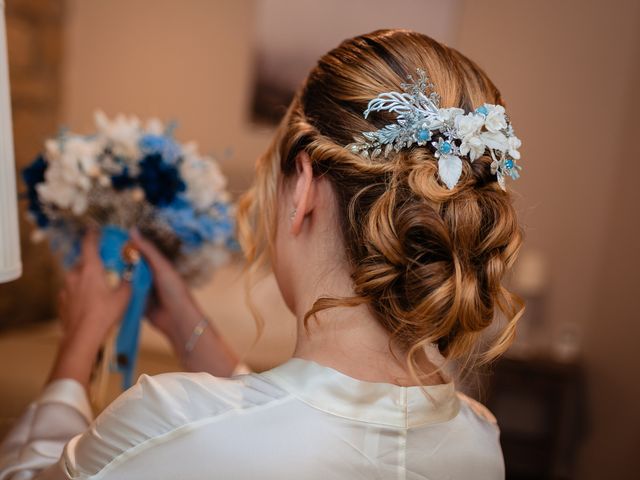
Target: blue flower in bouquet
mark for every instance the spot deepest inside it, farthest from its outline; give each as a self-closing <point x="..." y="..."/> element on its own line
<point x="225" y="226"/>
<point x="123" y="180"/>
<point x="160" y="180"/>
<point x="32" y="176"/>
<point x="161" y="145"/>
<point x="192" y="227"/>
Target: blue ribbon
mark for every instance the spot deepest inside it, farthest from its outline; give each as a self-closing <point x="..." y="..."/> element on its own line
<point x="112" y="241"/>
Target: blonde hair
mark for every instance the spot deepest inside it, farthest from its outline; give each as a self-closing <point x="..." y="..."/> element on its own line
<point x="428" y="261"/>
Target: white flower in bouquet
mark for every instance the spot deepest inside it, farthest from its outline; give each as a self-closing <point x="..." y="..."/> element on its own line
<point x="62" y="193"/>
<point x="122" y="134"/>
<point x="154" y="126"/>
<point x="206" y="183"/>
<point x="71" y="175"/>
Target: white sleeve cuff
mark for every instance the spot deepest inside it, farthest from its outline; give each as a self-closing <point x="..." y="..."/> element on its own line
<point x="68" y="392"/>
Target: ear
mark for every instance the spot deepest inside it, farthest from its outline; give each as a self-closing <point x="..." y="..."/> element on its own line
<point x="304" y="192"/>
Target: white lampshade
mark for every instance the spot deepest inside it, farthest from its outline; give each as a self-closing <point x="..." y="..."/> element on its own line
<point x="10" y="263"/>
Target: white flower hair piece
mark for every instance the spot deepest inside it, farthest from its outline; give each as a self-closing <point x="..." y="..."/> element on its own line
<point x="450" y="132"/>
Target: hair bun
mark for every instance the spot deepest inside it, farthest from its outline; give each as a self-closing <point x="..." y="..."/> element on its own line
<point x="428" y="261"/>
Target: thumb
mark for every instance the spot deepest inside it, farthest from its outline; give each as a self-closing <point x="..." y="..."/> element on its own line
<point x="148" y="250"/>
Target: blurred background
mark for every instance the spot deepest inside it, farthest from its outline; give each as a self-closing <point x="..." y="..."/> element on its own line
<point x="567" y="394"/>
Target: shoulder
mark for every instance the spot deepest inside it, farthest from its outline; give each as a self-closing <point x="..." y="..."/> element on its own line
<point x="479" y="410"/>
<point x="188" y="396"/>
<point x="158" y="405"/>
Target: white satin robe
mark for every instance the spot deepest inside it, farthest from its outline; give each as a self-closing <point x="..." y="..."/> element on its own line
<point x="300" y="420"/>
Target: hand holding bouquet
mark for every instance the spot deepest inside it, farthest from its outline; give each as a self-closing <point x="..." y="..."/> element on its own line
<point x="128" y="175"/>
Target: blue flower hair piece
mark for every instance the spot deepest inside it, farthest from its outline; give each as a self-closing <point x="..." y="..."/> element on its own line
<point x="450" y="133"/>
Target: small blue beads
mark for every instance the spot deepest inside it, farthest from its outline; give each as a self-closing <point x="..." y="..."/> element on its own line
<point x="482" y="110"/>
<point x="508" y="163"/>
<point x="424" y="135"/>
<point x="445" y="147"/>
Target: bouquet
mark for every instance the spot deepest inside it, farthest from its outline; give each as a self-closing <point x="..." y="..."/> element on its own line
<point x="132" y="175"/>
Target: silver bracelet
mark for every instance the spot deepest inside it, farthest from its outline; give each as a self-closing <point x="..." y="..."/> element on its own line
<point x="198" y="330"/>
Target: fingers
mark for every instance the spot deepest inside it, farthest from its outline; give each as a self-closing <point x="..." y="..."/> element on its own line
<point x="72" y="278"/>
<point x="122" y="294"/>
<point x="90" y="254"/>
<point x="149" y="251"/>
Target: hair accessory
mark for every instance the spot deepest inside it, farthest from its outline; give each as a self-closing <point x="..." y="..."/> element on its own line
<point x="450" y="132"/>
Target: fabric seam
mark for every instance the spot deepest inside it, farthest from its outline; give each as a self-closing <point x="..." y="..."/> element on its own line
<point x="406" y="426"/>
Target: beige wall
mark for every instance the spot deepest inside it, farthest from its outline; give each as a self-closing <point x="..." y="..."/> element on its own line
<point x="569" y="72"/>
<point x="614" y="331"/>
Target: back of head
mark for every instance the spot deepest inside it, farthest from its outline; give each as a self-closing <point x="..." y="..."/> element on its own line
<point x="428" y="260"/>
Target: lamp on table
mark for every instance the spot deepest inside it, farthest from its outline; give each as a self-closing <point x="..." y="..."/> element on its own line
<point x="10" y="263"/>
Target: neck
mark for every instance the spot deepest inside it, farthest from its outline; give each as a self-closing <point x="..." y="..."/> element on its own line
<point x="352" y="341"/>
<point x="348" y="339"/>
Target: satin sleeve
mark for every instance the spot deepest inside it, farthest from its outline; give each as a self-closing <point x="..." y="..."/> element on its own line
<point x="34" y="445"/>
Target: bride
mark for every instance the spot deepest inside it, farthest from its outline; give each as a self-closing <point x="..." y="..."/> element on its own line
<point x="388" y="233"/>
